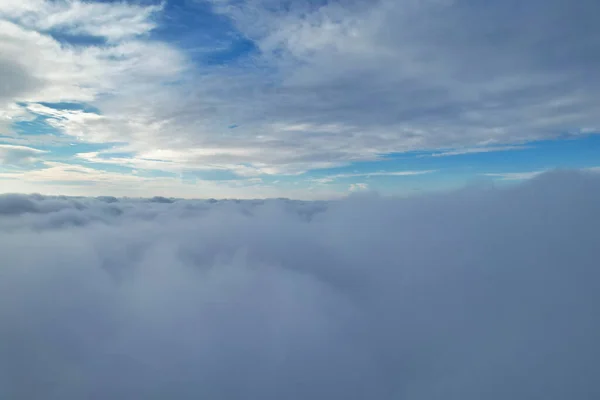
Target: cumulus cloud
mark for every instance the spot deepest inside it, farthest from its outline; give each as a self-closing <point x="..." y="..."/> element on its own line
<point x="480" y="293"/>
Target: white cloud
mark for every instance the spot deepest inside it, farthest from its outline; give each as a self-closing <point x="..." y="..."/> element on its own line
<point x="458" y="296"/>
<point x="114" y="21"/>
<point x="333" y="83"/>
<point x="332" y="178"/>
<point x="520" y="176"/>
<point x="358" y="187"/>
<point x="355" y="80"/>
<point x="35" y="67"/>
<point x="515" y="176"/>
<point x="58" y="178"/>
<point x="41" y="69"/>
<point x="475" y="150"/>
<point x="17" y="155"/>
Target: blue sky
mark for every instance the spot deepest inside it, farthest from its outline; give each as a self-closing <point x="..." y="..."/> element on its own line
<point x="302" y="99"/>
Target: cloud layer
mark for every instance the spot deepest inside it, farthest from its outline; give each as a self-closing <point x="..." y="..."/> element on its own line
<point x="481" y="293"/>
<point x="323" y="84"/>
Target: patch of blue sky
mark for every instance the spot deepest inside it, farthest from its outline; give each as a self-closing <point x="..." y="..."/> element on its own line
<point x="208" y="37"/>
<point x="40" y="125"/>
<point x="574" y="152"/>
<point x="454" y="170"/>
<point x="393" y="184"/>
<point x="580" y="152"/>
<point x="37" y="126"/>
<point x="236" y="49"/>
<point x="107" y="155"/>
<point x="154" y="173"/>
<point x="70" y="39"/>
<point x="284" y="6"/>
<point x="282" y="178"/>
<point x="76" y="147"/>
<point x="88" y="108"/>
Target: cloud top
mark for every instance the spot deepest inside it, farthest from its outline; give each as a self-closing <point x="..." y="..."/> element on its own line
<point x="478" y="293"/>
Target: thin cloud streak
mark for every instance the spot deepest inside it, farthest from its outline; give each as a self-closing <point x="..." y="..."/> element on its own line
<point x="476" y="150"/>
<point x="332" y="178"/>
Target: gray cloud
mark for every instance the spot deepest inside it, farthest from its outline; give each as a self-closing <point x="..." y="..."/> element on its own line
<point x="453" y="73"/>
<point x="341" y="81"/>
<point x="479" y="293"/>
<point x="18" y="155"/>
<point x="16" y="81"/>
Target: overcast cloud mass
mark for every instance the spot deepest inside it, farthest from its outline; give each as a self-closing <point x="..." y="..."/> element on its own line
<point x="481" y="293"/>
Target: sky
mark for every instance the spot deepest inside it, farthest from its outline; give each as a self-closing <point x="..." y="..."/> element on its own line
<point x="484" y="292"/>
<point x="306" y="99"/>
<point x="299" y="199"/>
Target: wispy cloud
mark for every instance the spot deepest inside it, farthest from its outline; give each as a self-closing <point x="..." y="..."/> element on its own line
<point x="475" y="150"/>
<point x="114" y="21"/>
<point x="515" y="176"/>
<point x="17" y="155"/>
<point x="519" y="176"/>
<point x="59" y="178"/>
<point x="332" y="178"/>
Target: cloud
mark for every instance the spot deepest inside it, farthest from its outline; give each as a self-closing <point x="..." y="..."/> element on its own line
<point x="114" y="21"/>
<point x="441" y="72"/>
<point x="17" y="155"/>
<point x="73" y="179"/>
<point x="519" y="176"/>
<point x="515" y="176"/>
<point x="36" y="65"/>
<point x="357" y="187"/>
<point x="332" y="178"/>
<point x="478" y="293"/>
<point x="15" y="81"/>
<point x="476" y="150"/>
<point x="328" y="84"/>
<point x="429" y="65"/>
